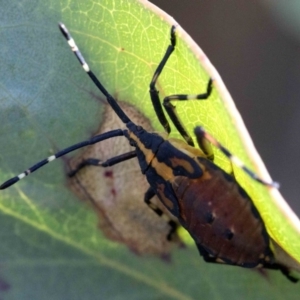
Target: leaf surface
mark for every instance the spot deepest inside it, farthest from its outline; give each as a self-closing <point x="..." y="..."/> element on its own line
<point x="51" y="247"/>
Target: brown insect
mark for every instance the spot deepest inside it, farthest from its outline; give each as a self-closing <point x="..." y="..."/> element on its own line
<point x="212" y="206"/>
<point x="117" y="198"/>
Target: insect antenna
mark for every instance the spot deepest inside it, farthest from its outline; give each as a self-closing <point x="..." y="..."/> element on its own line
<point x="200" y="133"/>
<point x="91" y="141"/>
<point x="110" y="99"/>
<point x="112" y="102"/>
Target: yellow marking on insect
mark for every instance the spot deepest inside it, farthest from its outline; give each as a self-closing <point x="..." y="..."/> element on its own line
<point x="185" y="148"/>
<point x="149" y="155"/>
<point x="219" y="260"/>
<point x="207" y="175"/>
<point x="166" y="201"/>
<point x="178" y="162"/>
<point x="161" y="168"/>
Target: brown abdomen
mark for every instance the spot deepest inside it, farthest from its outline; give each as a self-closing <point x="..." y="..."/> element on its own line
<point x="221" y="217"/>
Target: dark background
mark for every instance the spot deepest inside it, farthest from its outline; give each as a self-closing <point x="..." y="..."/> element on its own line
<point x="259" y="61"/>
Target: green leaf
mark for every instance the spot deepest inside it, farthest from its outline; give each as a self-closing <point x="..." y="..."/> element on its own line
<point x="51" y="246"/>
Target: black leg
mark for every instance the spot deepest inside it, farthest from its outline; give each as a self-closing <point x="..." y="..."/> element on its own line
<point x="207" y="149"/>
<point x="154" y="94"/>
<point x="205" y="146"/>
<point x="148" y="196"/>
<point x="201" y="134"/>
<point x="91" y="141"/>
<point x="286" y="272"/>
<point x="205" y="254"/>
<point x="98" y="163"/>
<point x="153" y="90"/>
<point x="171" y="110"/>
<point x="283" y="269"/>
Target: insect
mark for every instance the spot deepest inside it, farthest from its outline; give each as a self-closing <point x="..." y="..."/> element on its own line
<point x="216" y="211"/>
<point x="114" y="196"/>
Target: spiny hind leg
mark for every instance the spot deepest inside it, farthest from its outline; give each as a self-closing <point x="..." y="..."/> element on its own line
<point x="206" y="147"/>
<point x="201" y="134"/>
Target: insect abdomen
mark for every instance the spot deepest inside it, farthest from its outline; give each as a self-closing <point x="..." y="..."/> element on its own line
<point x="221" y="217"/>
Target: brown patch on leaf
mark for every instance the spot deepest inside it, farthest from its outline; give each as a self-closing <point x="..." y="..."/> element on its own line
<point x="117" y="193"/>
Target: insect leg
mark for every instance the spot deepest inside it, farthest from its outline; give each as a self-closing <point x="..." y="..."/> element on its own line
<point x="91" y="141"/>
<point x="206" y="256"/>
<point x="211" y="259"/>
<point x="153" y="90"/>
<point x="148" y="196"/>
<point x="287" y="273"/>
<point x="284" y="270"/>
<point x="98" y="163"/>
<point x="171" y="110"/>
<point x="205" y="146"/>
<point x="201" y="133"/>
<point x="207" y="149"/>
